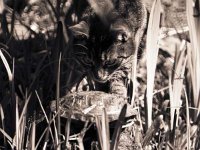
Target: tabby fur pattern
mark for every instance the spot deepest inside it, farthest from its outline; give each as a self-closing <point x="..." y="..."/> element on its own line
<point x="105" y="40"/>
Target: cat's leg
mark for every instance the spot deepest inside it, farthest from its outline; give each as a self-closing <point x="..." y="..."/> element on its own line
<point x="118" y="87"/>
<point x="117" y="83"/>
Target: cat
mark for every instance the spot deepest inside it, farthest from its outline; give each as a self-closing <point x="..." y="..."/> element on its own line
<point x="105" y="41"/>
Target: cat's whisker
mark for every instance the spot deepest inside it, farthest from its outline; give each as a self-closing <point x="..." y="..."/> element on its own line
<point x="81" y="45"/>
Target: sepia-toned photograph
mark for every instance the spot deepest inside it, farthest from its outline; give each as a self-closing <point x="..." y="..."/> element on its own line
<point x="99" y="74"/>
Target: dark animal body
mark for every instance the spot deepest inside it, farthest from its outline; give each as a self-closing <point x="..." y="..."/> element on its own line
<point x="105" y="41"/>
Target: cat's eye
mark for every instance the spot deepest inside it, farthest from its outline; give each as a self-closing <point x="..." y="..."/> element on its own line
<point x="122" y="37"/>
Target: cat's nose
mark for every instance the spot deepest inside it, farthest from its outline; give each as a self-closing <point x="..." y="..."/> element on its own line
<point x="105" y="64"/>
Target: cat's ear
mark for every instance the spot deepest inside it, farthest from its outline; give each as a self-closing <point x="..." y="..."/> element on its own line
<point x="101" y="7"/>
<point x="80" y="29"/>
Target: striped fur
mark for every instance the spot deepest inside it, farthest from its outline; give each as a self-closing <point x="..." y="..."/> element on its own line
<point x="105" y="41"/>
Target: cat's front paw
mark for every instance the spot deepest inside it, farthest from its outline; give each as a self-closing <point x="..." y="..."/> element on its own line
<point x="118" y="88"/>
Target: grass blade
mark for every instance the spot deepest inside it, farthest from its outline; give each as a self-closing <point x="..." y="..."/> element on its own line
<point x="58" y="124"/>
<point x="3" y="124"/>
<point x="187" y="138"/>
<point x="7" y="136"/>
<point x="177" y="87"/>
<point x="18" y="133"/>
<point x="152" y="53"/>
<point x="5" y="62"/>
<point x="67" y="131"/>
<point x="99" y="130"/>
<point x="23" y="113"/>
<point x="56" y="135"/>
<point x="193" y="18"/>
<point x="32" y="137"/>
<point x="118" y="128"/>
<point x="105" y="131"/>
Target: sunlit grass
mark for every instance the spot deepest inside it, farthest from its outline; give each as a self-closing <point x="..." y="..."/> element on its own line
<point x="152" y="54"/>
<point x="177" y="84"/>
<point x="193" y="18"/>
